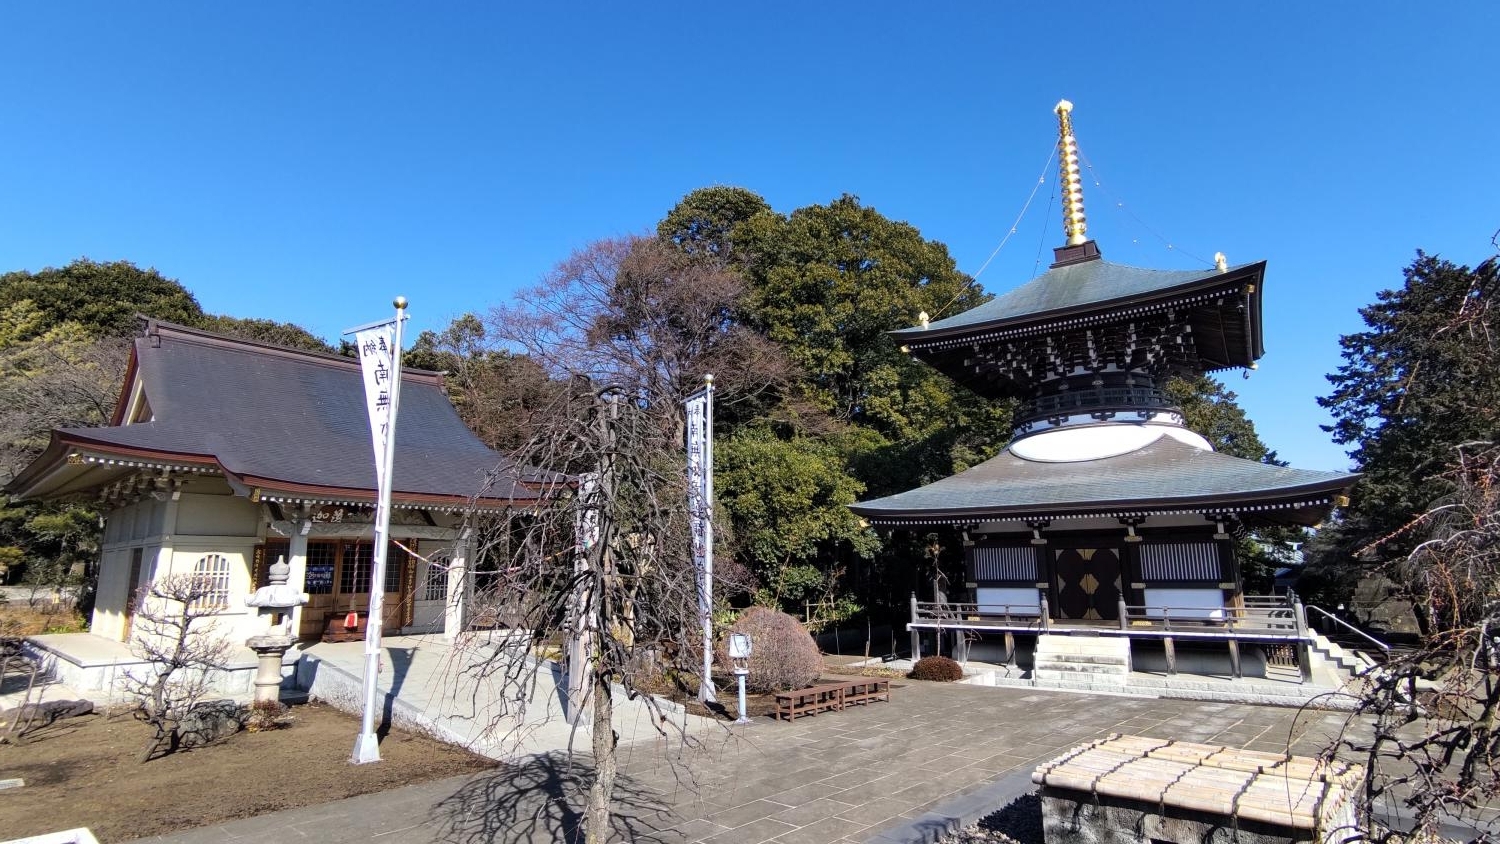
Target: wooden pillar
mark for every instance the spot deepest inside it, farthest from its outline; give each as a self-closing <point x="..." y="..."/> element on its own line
<point x="1171" y="650"/>
<point x="1010" y="649"/>
<point x="1234" y="659"/>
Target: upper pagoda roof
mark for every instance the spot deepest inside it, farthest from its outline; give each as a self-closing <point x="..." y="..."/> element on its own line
<point x="279" y="421"/>
<point x="1096" y="291"/>
<point x="1167" y="476"/>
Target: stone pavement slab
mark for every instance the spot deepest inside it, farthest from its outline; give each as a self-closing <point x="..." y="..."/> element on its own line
<point x="883" y="772"/>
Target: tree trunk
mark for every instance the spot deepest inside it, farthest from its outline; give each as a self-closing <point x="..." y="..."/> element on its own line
<point x="601" y="790"/>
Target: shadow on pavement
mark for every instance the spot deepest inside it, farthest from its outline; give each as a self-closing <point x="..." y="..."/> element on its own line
<point x="543" y="799"/>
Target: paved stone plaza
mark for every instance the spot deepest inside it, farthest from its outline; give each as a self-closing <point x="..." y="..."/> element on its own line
<point x="879" y="773"/>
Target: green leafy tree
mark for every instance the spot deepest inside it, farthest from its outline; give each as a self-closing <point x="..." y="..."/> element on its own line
<point x="501" y="396"/>
<point x="1422" y="379"/>
<point x="1213" y="411"/>
<point x="787" y="502"/>
<point x="104" y="298"/>
<point x="266" y="331"/>
<point x="709" y="220"/>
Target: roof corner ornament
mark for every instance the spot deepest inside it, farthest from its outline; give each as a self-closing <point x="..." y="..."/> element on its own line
<point x="1075" y="224"/>
<point x="923" y="319"/>
<point x="1221" y="263"/>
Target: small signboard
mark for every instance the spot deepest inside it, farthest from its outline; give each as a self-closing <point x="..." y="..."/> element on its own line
<point x="319" y="578"/>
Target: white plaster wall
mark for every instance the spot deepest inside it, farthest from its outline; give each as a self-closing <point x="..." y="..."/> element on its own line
<point x="992" y="599"/>
<point x="1185" y="603"/>
<point x="236" y="622"/>
<point x="216" y="515"/>
<point x="113" y="590"/>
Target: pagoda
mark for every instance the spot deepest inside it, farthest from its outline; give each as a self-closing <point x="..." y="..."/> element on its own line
<point x="1104" y="509"/>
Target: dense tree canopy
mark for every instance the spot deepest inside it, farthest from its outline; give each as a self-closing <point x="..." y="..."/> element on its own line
<point x="102" y="298"/>
<point x="1421" y="380"/>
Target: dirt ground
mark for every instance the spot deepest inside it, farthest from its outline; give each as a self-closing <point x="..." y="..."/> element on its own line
<point x="83" y="772"/>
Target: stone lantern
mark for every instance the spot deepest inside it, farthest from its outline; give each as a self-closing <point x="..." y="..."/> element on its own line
<point x="275" y="601"/>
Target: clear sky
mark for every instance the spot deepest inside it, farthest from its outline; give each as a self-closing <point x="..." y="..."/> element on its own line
<point x="306" y="162"/>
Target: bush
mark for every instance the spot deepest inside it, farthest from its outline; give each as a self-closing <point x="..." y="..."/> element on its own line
<point x="938" y="668"/>
<point x="783" y="655"/>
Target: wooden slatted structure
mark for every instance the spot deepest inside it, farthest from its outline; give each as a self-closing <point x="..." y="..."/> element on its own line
<point x="1310" y="799"/>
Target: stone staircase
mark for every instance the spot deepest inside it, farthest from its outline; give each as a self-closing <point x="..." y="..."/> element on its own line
<point x="1335" y="665"/>
<point x="1087" y="661"/>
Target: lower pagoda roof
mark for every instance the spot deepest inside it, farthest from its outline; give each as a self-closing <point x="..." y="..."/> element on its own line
<point x="1164" y="477"/>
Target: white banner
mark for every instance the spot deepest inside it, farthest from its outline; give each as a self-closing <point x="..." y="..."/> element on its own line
<point x="700" y="472"/>
<point x="699" y="476"/>
<point x="377" y="349"/>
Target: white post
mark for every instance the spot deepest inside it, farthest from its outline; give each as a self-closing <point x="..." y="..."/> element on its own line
<point x="458" y="569"/>
<point x="297" y="577"/>
<point x="367" y="746"/>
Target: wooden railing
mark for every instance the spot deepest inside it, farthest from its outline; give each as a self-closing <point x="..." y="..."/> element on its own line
<point x="968" y="614"/>
<point x="1274" y="616"/>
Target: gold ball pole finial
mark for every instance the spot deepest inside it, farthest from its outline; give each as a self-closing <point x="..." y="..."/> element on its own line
<point x="1070" y="178"/>
<point x="400" y="303"/>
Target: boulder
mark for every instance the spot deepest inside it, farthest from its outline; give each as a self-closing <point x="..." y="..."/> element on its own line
<point x="42" y="714"/>
<point x="209" y="722"/>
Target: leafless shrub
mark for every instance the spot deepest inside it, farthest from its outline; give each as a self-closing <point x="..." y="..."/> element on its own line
<point x="174" y="633"/>
<point x="783" y="655"/>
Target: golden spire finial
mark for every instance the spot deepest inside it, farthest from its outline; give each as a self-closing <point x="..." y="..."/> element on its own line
<point x="1075" y="225"/>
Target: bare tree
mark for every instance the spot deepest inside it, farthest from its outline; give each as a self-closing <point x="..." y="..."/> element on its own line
<point x="62" y="378"/>
<point x="628" y="328"/>
<point x="1430" y="737"/>
<point x="174" y="633"/>
<point x="644" y="318"/>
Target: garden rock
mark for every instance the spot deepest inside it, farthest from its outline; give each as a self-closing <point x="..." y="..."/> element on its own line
<point x="42" y="714"/>
<point x="209" y="722"/>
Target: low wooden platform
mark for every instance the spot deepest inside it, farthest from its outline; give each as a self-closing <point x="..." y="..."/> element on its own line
<point x="826" y="697"/>
<point x="1175" y="790"/>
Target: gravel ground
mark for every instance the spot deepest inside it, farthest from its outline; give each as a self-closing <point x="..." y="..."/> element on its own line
<point x="1020" y="822"/>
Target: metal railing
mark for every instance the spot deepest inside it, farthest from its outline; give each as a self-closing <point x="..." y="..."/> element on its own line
<point x="1351" y="628"/>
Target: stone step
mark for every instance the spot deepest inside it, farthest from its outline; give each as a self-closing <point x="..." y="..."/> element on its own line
<point x="1082" y="644"/>
<point x="1081" y="680"/>
<point x="1094" y="659"/>
<point x="1077" y="672"/>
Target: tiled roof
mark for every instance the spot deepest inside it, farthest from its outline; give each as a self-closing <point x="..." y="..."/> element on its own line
<point x="289" y="419"/>
<point x="1068" y="289"/>
<point x="1165" y="476"/>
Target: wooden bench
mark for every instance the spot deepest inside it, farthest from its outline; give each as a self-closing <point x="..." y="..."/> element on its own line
<point x="830" y="697"/>
<point x="870" y="690"/>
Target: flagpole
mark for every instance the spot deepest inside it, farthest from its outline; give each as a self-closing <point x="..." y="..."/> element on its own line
<point x="367" y="746"/>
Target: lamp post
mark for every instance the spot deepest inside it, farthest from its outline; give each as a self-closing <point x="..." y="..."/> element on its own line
<point x="739" y="655"/>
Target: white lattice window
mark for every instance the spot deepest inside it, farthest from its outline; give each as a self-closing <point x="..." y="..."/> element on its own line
<point x="212" y="571"/>
<point x="436" y="588"/>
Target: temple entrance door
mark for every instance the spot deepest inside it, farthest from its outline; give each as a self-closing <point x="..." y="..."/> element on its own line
<point x="322" y="562"/>
<point x="338" y="583"/>
<point x="1087" y="582"/>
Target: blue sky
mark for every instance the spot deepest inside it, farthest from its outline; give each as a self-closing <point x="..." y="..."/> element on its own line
<point x="306" y="162"/>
